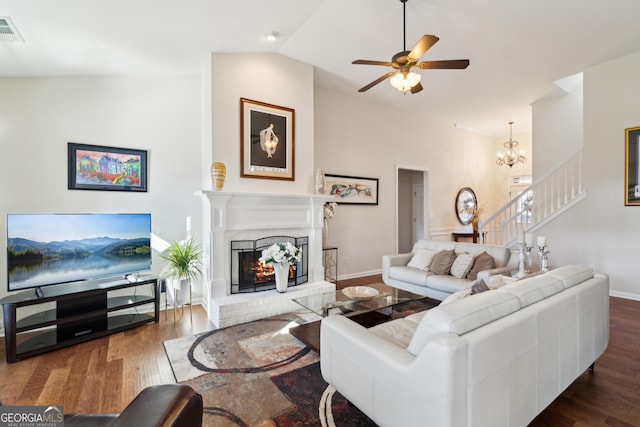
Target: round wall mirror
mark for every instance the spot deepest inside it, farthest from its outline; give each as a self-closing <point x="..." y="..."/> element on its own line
<point x="466" y="205"/>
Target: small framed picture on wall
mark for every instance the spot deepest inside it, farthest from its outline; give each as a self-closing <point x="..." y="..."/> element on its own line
<point x="352" y="190"/>
<point x="95" y="167"/>
<point x="632" y="167"/>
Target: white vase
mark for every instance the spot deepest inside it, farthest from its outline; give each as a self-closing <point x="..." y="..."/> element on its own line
<point x="282" y="276"/>
<point x="319" y="181"/>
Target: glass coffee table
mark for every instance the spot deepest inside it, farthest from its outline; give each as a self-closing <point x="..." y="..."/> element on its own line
<point x="364" y="308"/>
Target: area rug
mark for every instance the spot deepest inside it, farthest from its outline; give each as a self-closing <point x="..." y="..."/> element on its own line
<point x="257" y="374"/>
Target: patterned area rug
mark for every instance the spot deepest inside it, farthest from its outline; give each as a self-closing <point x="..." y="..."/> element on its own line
<point x="256" y="374"/>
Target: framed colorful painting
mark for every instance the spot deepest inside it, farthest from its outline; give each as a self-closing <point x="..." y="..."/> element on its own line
<point x="267" y="145"/>
<point x="95" y="167"/>
<point x="351" y="189"/>
<point x="632" y="167"/>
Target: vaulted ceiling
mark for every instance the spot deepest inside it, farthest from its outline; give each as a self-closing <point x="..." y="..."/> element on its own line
<point x="517" y="48"/>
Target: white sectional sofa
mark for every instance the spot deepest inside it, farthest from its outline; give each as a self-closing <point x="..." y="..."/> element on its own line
<point x="397" y="273"/>
<point x="494" y="359"/>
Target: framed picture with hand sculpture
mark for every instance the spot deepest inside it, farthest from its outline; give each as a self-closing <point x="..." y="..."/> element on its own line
<point x="632" y="167"/>
<point x="351" y="189"/>
<point x="267" y="140"/>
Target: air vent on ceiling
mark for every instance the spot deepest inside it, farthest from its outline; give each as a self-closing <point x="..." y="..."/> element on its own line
<point x="8" y="31"/>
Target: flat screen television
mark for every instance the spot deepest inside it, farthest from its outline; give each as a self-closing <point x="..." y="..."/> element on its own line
<point x="49" y="249"/>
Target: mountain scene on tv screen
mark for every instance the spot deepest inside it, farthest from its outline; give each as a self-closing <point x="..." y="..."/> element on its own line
<point x="33" y="263"/>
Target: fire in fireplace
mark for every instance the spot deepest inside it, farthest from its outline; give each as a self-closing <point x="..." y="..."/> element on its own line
<point x="248" y="274"/>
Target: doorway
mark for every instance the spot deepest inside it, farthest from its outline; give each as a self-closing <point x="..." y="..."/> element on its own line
<point x="412" y="207"/>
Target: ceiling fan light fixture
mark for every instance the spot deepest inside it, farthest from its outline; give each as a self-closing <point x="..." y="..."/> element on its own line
<point x="404" y="81"/>
<point x="401" y="77"/>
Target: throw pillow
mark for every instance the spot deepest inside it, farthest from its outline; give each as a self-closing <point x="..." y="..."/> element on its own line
<point x="422" y="259"/>
<point x="494" y="282"/>
<point x="478" y="287"/>
<point x="443" y="261"/>
<point x="484" y="261"/>
<point x="462" y="265"/>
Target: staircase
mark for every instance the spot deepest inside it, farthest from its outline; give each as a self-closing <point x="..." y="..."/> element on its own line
<point x="550" y="195"/>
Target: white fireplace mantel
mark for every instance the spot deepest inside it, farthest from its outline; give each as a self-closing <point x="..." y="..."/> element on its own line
<point x="243" y="216"/>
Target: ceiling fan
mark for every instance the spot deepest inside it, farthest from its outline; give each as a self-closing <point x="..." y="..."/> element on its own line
<point x="402" y="78"/>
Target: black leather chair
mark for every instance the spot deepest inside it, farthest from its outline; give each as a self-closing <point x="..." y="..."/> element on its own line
<point x="165" y="405"/>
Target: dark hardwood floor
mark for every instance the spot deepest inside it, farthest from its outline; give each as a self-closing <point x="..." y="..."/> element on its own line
<point x="104" y="375"/>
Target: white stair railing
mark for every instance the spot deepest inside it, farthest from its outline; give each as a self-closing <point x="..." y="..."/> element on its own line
<point x="551" y="194"/>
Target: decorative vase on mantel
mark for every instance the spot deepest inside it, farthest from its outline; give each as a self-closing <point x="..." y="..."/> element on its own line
<point x="218" y="174"/>
<point x="281" y="269"/>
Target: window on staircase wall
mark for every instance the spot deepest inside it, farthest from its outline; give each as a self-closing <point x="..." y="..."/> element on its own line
<point x="519" y="188"/>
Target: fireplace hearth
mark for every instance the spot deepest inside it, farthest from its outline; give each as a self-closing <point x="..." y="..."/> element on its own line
<point x="248" y="274"/>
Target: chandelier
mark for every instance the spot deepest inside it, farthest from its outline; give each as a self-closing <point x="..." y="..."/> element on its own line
<point x="510" y="158"/>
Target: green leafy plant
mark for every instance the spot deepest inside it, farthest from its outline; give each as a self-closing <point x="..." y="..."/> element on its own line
<point x="183" y="261"/>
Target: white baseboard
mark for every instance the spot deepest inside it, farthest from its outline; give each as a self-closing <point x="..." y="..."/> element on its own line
<point x="625" y="295"/>
<point x="360" y="274"/>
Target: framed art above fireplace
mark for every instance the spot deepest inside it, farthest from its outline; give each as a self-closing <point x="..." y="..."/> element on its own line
<point x="267" y="141"/>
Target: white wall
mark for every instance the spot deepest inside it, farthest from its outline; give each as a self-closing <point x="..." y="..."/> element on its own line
<point x="358" y="137"/>
<point x="557" y="129"/>
<point x="601" y="231"/>
<point x="38" y="116"/>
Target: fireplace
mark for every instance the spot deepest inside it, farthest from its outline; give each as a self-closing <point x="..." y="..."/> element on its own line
<point x="248" y="274"/>
<point x="245" y="218"/>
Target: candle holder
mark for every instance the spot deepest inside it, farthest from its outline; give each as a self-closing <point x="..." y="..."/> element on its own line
<point x="528" y="249"/>
<point x="521" y="271"/>
<point x="543" y="252"/>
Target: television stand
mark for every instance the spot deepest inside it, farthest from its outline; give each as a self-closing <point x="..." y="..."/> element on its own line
<point x="62" y="315"/>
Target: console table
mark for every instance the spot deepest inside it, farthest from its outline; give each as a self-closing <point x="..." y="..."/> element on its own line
<point x="63" y="315"/>
<point x="473" y="236"/>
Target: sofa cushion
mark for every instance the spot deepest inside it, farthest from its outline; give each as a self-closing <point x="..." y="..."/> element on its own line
<point x="422" y="259"/>
<point x="534" y="289"/>
<point x="410" y="275"/>
<point x="461" y="265"/>
<point x="463" y="316"/>
<point x="434" y="245"/>
<point x="416" y="317"/>
<point x="571" y="275"/>
<point x="500" y="254"/>
<point x="443" y="261"/>
<point x="447" y="283"/>
<point x="482" y="262"/>
<point x="492" y="282"/>
<point x="398" y="331"/>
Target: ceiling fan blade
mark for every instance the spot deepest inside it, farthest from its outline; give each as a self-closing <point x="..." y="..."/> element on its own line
<point x="417" y="88"/>
<point x="376" y="81"/>
<point x="423" y="45"/>
<point x="367" y="62"/>
<point x="452" y="64"/>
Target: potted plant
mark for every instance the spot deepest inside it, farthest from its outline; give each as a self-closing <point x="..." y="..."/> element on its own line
<point x="183" y="265"/>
